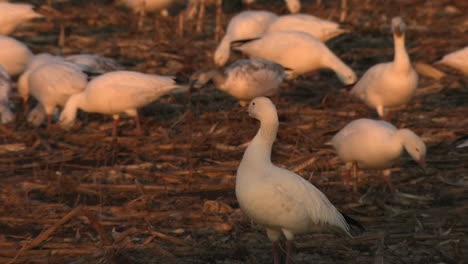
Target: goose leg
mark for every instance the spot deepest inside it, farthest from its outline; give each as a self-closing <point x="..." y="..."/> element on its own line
<point x="276" y="252"/>
<point x="356" y="176"/>
<point x="139" y="131"/>
<point x="114" y="126"/>
<point x="49" y="121"/>
<point x="386" y="174"/>
<point x="289" y="251"/>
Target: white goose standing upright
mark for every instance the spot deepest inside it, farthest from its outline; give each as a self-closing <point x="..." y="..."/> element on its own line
<point x="244" y="79"/>
<point x="371" y="144"/>
<point x="390" y="84"/>
<point x="245" y="25"/>
<point x="282" y="201"/>
<point x="118" y="92"/>
<point x="298" y="51"/>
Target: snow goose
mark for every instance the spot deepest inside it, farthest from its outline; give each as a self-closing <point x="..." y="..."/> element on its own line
<point x="390" y="84"/>
<point x="282" y="201"/>
<point x="14" y="55"/>
<point x="118" y="92"/>
<point x="13" y="14"/>
<point x="293" y="6"/>
<point x="5" y="90"/>
<point x="297" y="51"/>
<point x="244" y="79"/>
<point x="320" y="28"/>
<point x="34" y="63"/>
<point x="245" y="25"/>
<point x="52" y="84"/>
<point x="457" y="60"/>
<point x="371" y="144"/>
<point x="98" y="63"/>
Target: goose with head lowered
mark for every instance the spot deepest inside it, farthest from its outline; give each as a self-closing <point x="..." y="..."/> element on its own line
<point x="390" y="84"/>
<point x="119" y="92"/>
<point x="457" y="60"/>
<point x="371" y="144"/>
<point x="298" y="51"/>
<point x="245" y="25"/>
<point x="244" y="79"/>
<point x="282" y="201"/>
<point x="14" y="14"/>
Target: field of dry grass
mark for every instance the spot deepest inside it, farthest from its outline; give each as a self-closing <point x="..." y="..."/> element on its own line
<point x="78" y="196"/>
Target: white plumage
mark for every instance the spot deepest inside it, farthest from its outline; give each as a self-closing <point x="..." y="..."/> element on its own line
<point x="52" y="84"/>
<point x="245" y="25"/>
<point x="14" y="55"/>
<point x="244" y="79"/>
<point x="457" y="60"/>
<point x="13" y="14"/>
<point x="282" y="201"/>
<point x="5" y="90"/>
<point x="390" y="84"/>
<point x="320" y="28"/>
<point x="371" y="144"/>
<point x="298" y="51"/>
<point x="118" y="92"/>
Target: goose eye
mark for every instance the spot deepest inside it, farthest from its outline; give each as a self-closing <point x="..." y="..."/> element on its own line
<point x="417" y="149"/>
<point x="253" y="103"/>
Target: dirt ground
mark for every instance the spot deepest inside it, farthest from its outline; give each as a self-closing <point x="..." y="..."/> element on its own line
<point x="168" y="197"/>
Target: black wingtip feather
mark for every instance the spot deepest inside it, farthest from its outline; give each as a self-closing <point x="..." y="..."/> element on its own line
<point x="353" y="222"/>
<point x="179" y="79"/>
<point x="240" y="42"/>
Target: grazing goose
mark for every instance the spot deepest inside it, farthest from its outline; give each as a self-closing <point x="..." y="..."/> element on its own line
<point x="371" y="144"/>
<point x="457" y="60"/>
<point x="5" y="90"/>
<point x="52" y="84"/>
<point x="297" y="51"/>
<point x="13" y="14"/>
<point x="34" y="63"/>
<point x="282" y="201"/>
<point x="96" y="62"/>
<point x="390" y="84"/>
<point x="245" y="25"/>
<point x="320" y="28"/>
<point x="244" y="79"/>
<point x="118" y="92"/>
<point x="14" y="55"/>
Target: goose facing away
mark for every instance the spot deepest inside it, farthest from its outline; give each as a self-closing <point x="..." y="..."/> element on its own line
<point x="371" y="144"/>
<point x="5" y="90"/>
<point x="282" y="201"/>
<point x="390" y="84"/>
<point x="457" y="60"/>
<point x="13" y="14"/>
<point x="320" y="28"/>
<point x="245" y="25"/>
<point x="118" y="92"/>
<point x="14" y="55"/>
<point x="297" y="51"/>
<point x="244" y="79"/>
<point x="52" y="84"/>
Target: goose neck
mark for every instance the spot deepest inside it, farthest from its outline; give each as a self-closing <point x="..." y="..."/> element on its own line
<point x="259" y="150"/>
<point x="401" y="59"/>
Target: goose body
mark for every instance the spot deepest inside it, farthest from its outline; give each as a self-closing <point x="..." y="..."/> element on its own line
<point x="5" y="89"/>
<point x="457" y="60"/>
<point x="245" y="79"/>
<point x="118" y="92"/>
<point x="320" y="28"/>
<point x="390" y="84"/>
<point x="52" y="84"/>
<point x="14" y="55"/>
<point x="371" y="144"/>
<point x="245" y="25"/>
<point x="98" y="63"/>
<point x="282" y="201"/>
<point x="13" y="14"/>
<point x="297" y="51"/>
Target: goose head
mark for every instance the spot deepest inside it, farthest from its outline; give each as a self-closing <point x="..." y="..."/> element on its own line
<point x="398" y="26"/>
<point x="202" y="77"/>
<point x="415" y="147"/>
<point x="262" y="109"/>
<point x="347" y="77"/>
